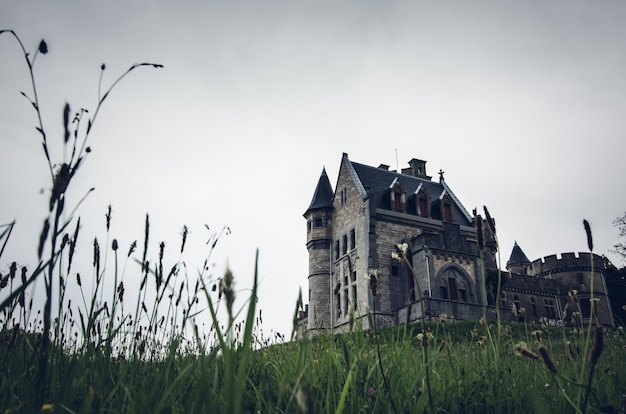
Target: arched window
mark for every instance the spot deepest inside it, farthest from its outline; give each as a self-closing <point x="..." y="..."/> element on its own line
<point x="454" y="285"/>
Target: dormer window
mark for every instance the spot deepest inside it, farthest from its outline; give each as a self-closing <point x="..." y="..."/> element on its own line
<point x="446" y="209"/>
<point x="422" y="202"/>
<point x="397" y="197"/>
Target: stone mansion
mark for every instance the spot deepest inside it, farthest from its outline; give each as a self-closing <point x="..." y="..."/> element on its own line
<point x="353" y="229"/>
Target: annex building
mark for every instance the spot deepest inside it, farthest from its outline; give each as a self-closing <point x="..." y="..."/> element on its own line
<point x="353" y="229"/>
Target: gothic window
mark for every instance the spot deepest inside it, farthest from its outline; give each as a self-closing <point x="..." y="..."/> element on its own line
<point x="352" y="239"/>
<point x="454" y="286"/>
<point x="462" y="291"/>
<point x="344" y="196"/>
<point x="354" y="296"/>
<point x="345" y="244"/>
<point x="336" y="249"/>
<point x="443" y="290"/>
<point x="516" y="302"/>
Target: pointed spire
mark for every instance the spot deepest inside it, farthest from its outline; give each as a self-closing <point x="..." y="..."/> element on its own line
<point x="518" y="257"/>
<point x="323" y="196"/>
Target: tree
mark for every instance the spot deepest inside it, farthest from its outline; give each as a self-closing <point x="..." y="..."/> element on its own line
<point x="616" y="286"/>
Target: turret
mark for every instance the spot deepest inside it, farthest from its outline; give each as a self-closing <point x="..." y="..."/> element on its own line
<point x="319" y="218"/>
<point x="518" y="261"/>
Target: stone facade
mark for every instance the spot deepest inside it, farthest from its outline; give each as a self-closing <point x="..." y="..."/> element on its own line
<point x="353" y="230"/>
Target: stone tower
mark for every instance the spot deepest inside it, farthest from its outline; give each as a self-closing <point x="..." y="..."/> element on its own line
<point x="319" y="220"/>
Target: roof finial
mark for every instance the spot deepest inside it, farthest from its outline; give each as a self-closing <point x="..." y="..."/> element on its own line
<point x="441" y="175"/>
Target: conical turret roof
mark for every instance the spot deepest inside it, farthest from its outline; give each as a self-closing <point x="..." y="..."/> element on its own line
<point x="518" y="257"/>
<point x="323" y="196"/>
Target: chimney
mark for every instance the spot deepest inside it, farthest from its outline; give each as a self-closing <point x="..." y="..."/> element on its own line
<point x="417" y="168"/>
<point x="384" y="167"/>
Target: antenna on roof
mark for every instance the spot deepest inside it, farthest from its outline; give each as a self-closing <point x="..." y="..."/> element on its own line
<point x="397" y="166"/>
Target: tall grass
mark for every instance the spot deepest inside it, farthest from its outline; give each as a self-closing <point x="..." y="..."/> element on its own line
<point x="126" y="348"/>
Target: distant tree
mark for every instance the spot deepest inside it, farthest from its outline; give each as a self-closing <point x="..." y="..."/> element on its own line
<point x="616" y="286"/>
<point x="620" y="247"/>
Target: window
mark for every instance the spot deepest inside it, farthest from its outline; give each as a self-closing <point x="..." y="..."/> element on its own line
<point x="354" y="296"/>
<point x="308" y="226"/>
<point x="452" y="288"/>
<point x="352" y="239"/>
<point x="345" y="301"/>
<point x="550" y="309"/>
<point x="443" y="292"/>
<point x="462" y="291"/>
<point x="447" y="210"/>
<point x="533" y="305"/>
<point x="336" y="249"/>
<point x="395" y="269"/>
<point x="344" y="196"/>
<point x="319" y="222"/>
<point x="411" y="284"/>
<point x="422" y="206"/>
<point x="397" y="201"/>
<point x="516" y="302"/>
<point x="345" y="244"/>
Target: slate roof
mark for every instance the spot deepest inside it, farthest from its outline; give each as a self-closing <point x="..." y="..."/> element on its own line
<point x="377" y="181"/>
<point x="517" y="256"/>
<point x="323" y="196"/>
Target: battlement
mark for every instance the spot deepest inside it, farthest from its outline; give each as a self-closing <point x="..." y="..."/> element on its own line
<point x="566" y="262"/>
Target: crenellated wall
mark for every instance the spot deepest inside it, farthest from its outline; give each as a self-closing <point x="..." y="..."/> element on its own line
<point x="567" y="262"/>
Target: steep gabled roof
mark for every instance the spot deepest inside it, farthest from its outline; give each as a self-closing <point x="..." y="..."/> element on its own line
<point x="518" y="257"/>
<point x="376" y="182"/>
<point x="323" y="196"/>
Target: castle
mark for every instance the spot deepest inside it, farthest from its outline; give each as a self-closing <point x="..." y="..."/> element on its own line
<point x="353" y="230"/>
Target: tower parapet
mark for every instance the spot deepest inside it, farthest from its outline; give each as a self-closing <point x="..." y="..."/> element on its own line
<point x="567" y="262"/>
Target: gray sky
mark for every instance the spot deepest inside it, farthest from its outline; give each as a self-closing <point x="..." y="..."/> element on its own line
<point x="521" y="103"/>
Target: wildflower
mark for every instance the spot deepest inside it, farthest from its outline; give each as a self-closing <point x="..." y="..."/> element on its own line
<point x="443" y="318"/>
<point x="114" y="245"/>
<point x="47" y="408"/>
<point x="537" y="335"/>
<point x="573" y="295"/>
<point x="370" y="391"/>
<point x="395" y="256"/>
<point x="402" y="247"/>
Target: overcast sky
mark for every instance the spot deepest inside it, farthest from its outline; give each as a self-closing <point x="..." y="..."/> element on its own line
<point x="521" y="103"/>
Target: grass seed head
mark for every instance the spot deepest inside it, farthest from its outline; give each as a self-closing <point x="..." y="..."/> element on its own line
<point x="543" y="351"/>
<point x="598" y="346"/>
<point x="589" y="238"/>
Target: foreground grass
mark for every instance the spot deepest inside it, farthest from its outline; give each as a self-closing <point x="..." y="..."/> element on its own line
<point x="120" y="350"/>
<point x="326" y="374"/>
